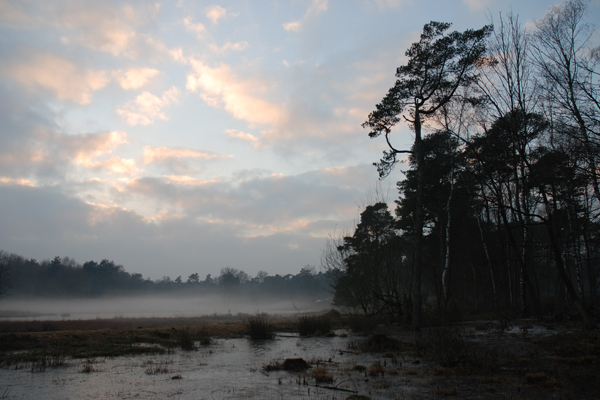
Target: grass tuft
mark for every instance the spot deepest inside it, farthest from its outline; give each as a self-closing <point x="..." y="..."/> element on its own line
<point x="185" y="340"/>
<point x="375" y="369"/>
<point x="260" y="328"/>
<point x="321" y="375"/>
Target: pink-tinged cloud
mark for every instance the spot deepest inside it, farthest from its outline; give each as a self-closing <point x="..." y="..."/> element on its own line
<point x="190" y="181"/>
<point x="220" y="87"/>
<point x="16" y="181"/>
<point x="246" y="137"/>
<point x="116" y="165"/>
<point x="163" y="153"/>
<point x="215" y="13"/>
<point x="177" y="55"/>
<point x="135" y="78"/>
<point x="317" y="7"/>
<point x="103" y="27"/>
<point x="50" y="72"/>
<point x="198" y="28"/>
<point x="147" y="107"/>
<point x="83" y="148"/>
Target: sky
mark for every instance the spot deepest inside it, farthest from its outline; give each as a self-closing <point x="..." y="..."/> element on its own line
<point x="182" y="137"/>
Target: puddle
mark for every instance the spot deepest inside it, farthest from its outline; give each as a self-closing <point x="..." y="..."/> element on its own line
<point x="228" y="368"/>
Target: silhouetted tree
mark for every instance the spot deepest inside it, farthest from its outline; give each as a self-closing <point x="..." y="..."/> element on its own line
<point x="438" y="65"/>
<point x="5" y="276"/>
<point x="193" y="279"/>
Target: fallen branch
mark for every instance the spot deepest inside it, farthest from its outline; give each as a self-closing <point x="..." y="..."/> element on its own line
<point x="335" y="388"/>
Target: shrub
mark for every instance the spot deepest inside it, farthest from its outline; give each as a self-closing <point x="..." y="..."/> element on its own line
<point x="295" y="364"/>
<point x="362" y="323"/>
<point x="259" y="327"/>
<point x="313" y="325"/>
<point x="450" y="349"/>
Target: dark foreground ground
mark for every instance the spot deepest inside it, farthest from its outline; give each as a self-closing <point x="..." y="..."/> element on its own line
<point x="476" y="360"/>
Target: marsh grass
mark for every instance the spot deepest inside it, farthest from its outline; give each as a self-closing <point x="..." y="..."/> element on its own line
<point x="142" y="323"/>
<point x="88" y="367"/>
<point x="42" y="359"/>
<point x="98" y="338"/>
<point x="321" y="375"/>
<point x="156" y="368"/>
<point x="260" y="328"/>
<point x="204" y="336"/>
<point x="376" y="369"/>
<point x="316" y="325"/>
<point x="357" y="367"/>
<point x="185" y="339"/>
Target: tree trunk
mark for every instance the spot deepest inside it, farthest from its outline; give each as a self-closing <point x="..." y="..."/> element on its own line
<point x="489" y="262"/>
<point x="446" y="271"/>
<point x="418" y="265"/>
<point x="588" y="319"/>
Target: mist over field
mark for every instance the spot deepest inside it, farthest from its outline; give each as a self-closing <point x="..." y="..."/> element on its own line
<point x="145" y="306"/>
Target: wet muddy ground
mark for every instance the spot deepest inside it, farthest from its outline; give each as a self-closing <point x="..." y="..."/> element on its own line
<point x="518" y="362"/>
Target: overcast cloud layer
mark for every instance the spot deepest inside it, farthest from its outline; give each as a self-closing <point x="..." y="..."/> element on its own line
<point x="187" y="136"/>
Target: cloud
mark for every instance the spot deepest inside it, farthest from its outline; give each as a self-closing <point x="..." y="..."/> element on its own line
<point x="259" y="204"/>
<point x="246" y="137"/>
<point x="317" y="7"/>
<point x="135" y="78"/>
<point x="179" y="160"/>
<point x="101" y="26"/>
<point x="239" y="46"/>
<point x="177" y="55"/>
<point x="146" y="108"/>
<point x="13" y="15"/>
<point x="13" y="181"/>
<point x="45" y="222"/>
<point x="33" y="148"/>
<point x="220" y="87"/>
<point x="215" y="13"/>
<point x="292" y="26"/>
<point x="384" y="4"/>
<point x="87" y="146"/>
<point x="476" y="5"/>
<point x="188" y="180"/>
<point x="114" y="164"/>
<point x="163" y="153"/>
<point x="199" y="29"/>
<point x="85" y="149"/>
<point x="65" y="79"/>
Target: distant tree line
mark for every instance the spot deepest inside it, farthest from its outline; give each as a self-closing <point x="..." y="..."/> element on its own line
<point x="64" y="277"/>
<point x="500" y="206"/>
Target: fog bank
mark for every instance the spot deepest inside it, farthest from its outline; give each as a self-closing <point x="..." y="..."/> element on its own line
<point x="153" y="306"/>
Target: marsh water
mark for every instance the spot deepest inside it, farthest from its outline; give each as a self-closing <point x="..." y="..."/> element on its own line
<point x="225" y="369"/>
